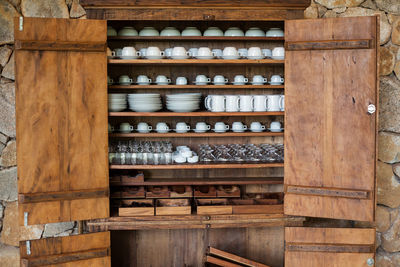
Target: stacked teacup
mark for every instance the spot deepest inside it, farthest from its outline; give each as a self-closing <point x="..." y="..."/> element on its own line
<point x="117" y="102"/>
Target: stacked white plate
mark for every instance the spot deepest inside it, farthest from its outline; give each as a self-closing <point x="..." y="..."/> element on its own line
<point x="117" y="102"/>
<point x="144" y="102"/>
<point x="185" y="102"/>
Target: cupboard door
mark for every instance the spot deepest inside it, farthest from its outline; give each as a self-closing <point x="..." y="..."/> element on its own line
<point x="70" y="251"/>
<point x="330" y="137"/>
<point x="334" y="247"/>
<point x="61" y="110"/>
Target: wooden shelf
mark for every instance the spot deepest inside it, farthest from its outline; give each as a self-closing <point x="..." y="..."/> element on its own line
<point x="203" y="181"/>
<point x="186" y="166"/>
<point x="193" y="222"/>
<point x="193" y="86"/>
<point x="193" y="114"/>
<point x="193" y="38"/>
<point x="192" y="134"/>
<point x="194" y="61"/>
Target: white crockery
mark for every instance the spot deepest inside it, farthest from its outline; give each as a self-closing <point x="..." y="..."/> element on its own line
<point x="282" y="103"/>
<point x="215" y="103"/>
<point x="238" y="127"/>
<point x="149" y="31"/>
<point x="258" y="80"/>
<point x="275" y="125"/>
<point x="191" y="31"/>
<point x="193" y="159"/>
<point x="255" y="32"/>
<point x="125" y="80"/>
<point x="182" y="127"/>
<point x="202" y="79"/>
<point x="111" y="31"/>
<point x="256" y="127"/>
<point x="278" y="53"/>
<point x="219" y="80"/>
<point x="162" y="80"/>
<point x="170" y="31"/>
<point x="193" y="52"/>
<point x="254" y="53"/>
<point x="276" y="80"/>
<point x="125" y="127"/>
<point x="231" y="103"/>
<point x="260" y="103"/>
<point x="129" y="52"/>
<point x="274" y="102"/>
<point x="245" y="103"/>
<point x="274" y="32"/>
<point x="217" y="52"/>
<point x="230" y="52"/>
<point x="204" y="53"/>
<point x="143" y="80"/>
<point x="220" y="127"/>
<point x="234" y="31"/>
<point x="202" y="127"/>
<point x="162" y="127"/>
<point x="153" y="52"/>
<point x="127" y="31"/>
<point x="168" y="52"/>
<point x="181" y="81"/>
<point x="143" y="52"/>
<point x="143" y="127"/>
<point x="179" y="52"/>
<point x="267" y="53"/>
<point x="240" y="80"/>
<point x="213" y="31"/>
<point x="242" y="52"/>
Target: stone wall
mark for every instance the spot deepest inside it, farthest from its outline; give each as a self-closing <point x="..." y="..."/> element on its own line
<point x="388" y="172"/>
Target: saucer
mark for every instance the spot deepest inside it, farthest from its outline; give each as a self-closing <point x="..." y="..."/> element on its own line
<point x="142" y="131"/>
<point x="154" y="57"/>
<point x="204" y="57"/>
<point x="180" y="131"/>
<point x="238" y="83"/>
<point x="271" y="83"/>
<point x="278" y="58"/>
<point x="219" y="131"/>
<point x="162" y="131"/>
<point x="257" y="83"/>
<point x="239" y="131"/>
<point x="275" y="130"/>
<point x="230" y="57"/>
<point x="201" y="83"/>
<point x="129" y="57"/>
<point x="256" y="130"/>
<point x="219" y="83"/>
<point x="199" y="131"/>
<point x="125" y="83"/>
<point x="162" y="83"/>
<point x="179" y="57"/>
<point x="255" y="57"/>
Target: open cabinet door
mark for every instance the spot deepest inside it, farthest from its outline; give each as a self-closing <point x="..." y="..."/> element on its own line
<point x="330" y="118"/>
<point x="61" y="110"/>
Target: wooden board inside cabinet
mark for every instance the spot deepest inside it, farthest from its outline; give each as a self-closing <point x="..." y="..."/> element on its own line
<point x="79" y="250"/>
<point x="330" y="119"/>
<point x="315" y="247"/>
<point x="61" y="117"/>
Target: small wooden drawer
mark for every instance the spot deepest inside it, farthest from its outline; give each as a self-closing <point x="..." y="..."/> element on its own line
<point x="157" y="192"/>
<point x="181" y="191"/>
<point x="127" y="179"/>
<point x="254" y="206"/>
<point x="173" y="207"/>
<point x="271" y="198"/>
<point x="205" y="191"/>
<point x="142" y="207"/>
<point x="228" y="191"/>
<point x="213" y="206"/>
<point x="133" y="192"/>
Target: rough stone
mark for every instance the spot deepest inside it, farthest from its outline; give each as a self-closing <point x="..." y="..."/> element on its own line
<point x="385" y="27"/>
<point x="9" y="155"/>
<point x="311" y="12"/>
<point x="388" y="186"/>
<point x="321" y="10"/>
<point x="5" y="53"/>
<point x="389" y="147"/>
<point x="382" y="219"/>
<point x="7" y="92"/>
<point x="8" y="70"/>
<point x="383" y="261"/>
<point x="7" y="14"/>
<point x="339" y="3"/>
<point x="378" y="238"/>
<point x="391" y="238"/>
<point x="390" y="6"/>
<point x="1" y="211"/>
<point x="3" y="139"/>
<point x="57" y="229"/>
<point x="8" y="184"/>
<point x="369" y="4"/>
<point x="389" y="104"/>
<point x="387" y="60"/>
<point x="396" y="169"/>
<point x="340" y="9"/>
<point x="330" y="14"/>
<point x="9" y="256"/>
<point x="7" y="118"/>
<point x="396" y="30"/>
<point x="12" y="233"/>
<point x="77" y="10"/>
<point x="44" y="8"/>
<point x="397" y="69"/>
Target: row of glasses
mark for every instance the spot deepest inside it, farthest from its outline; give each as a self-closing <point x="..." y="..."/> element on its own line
<point x="241" y="153"/>
<point x="140" y="152"/>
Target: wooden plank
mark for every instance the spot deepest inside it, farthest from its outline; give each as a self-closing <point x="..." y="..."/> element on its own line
<point x="129" y="212"/>
<point x="252" y="209"/>
<point x="194" y="61"/>
<point x="329" y="248"/>
<point x="60" y="46"/>
<point x="327" y="192"/>
<point x="194" y="86"/>
<point x="61" y="103"/>
<point x="173" y="210"/>
<point x="197" y="166"/>
<point x="231" y="257"/>
<point x="220" y="262"/>
<point x="57" y="196"/>
<point x="193" y="38"/>
<point x="315" y="259"/>
<point x="194" y="114"/>
<point x="214" y="209"/>
<point x="327" y="45"/>
<point x="323" y="157"/>
<point x="180" y="135"/>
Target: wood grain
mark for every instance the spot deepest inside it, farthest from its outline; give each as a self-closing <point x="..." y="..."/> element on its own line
<point x="234" y="258"/>
<point x="320" y="146"/>
<point x="60" y="46"/>
<point x="327" y="45"/>
<point x="61" y="113"/>
<point x="194" y="38"/>
<point x="194" y="86"/>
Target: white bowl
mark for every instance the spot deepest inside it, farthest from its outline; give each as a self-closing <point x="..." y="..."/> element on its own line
<point x="128" y="31"/>
<point x="191" y="31"/>
<point x="255" y="32"/>
<point x="111" y="31"/>
<point x="213" y="31"/>
<point x="234" y="31"/>
<point x="193" y="159"/>
<point x="274" y="32"/>
<point x="149" y="31"/>
<point x="170" y="31"/>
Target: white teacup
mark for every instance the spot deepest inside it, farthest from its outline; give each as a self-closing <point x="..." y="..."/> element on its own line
<point x="221" y="127"/>
<point x="182" y="127"/>
<point x="129" y="52"/>
<point x="246" y="103"/>
<point x="162" y="127"/>
<point x="258" y="80"/>
<point x="144" y="127"/>
<point x="153" y="52"/>
<point x="254" y="53"/>
<point x="242" y="52"/>
<point x="267" y="53"/>
<point x="143" y="52"/>
<point x="205" y="53"/>
<point x="125" y="127"/>
<point x="143" y="80"/>
<point x="275" y="125"/>
<point x="220" y="80"/>
<point x="278" y="53"/>
<point x="168" y="52"/>
<point x="240" y="80"/>
<point x="215" y="103"/>
<point x="231" y="103"/>
<point x="256" y="126"/>
<point x="282" y="103"/>
<point x="193" y="51"/>
<point x="125" y="80"/>
<point x="274" y="103"/>
<point x="238" y="127"/>
<point x="181" y="81"/>
<point x="202" y="79"/>
<point x="202" y="127"/>
<point x="117" y="52"/>
<point x="217" y="52"/>
<point x="180" y="52"/>
<point x="162" y="80"/>
<point x="260" y="103"/>
<point x="230" y="53"/>
<point x="276" y="80"/>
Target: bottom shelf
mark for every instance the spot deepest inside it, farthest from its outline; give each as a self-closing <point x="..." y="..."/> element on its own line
<point x="192" y="222"/>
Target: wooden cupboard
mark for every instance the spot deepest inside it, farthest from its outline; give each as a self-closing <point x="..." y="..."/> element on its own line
<point x="330" y="119"/>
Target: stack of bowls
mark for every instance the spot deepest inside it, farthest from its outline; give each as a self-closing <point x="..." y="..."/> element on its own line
<point x="185" y="102"/>
<point x="144" y="102"/>
<point x="117" y="102"/>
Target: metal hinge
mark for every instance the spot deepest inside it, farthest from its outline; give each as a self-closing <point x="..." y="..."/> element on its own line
<point x="26" y="218"/>
<point x="21" y="23"/>
<point x="28" y="247"/>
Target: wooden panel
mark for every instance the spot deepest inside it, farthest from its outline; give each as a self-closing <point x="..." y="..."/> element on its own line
<point x="91" y="249"/>
<point x="324" y="45"/>
<point x="61" y="110"/>
<point x="326" y="121"/>
<point x="60" y="46"/>
<point x="234" y="258"/>
<point x="328" y="246"/>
